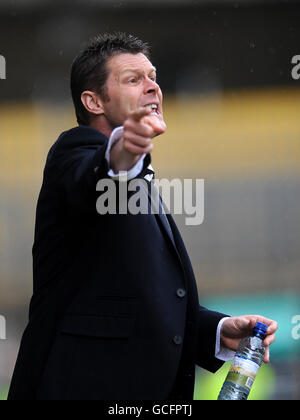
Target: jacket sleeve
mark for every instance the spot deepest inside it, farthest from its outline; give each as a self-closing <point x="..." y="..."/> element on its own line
<point x="208" y="322"/>
<point x="76" y="164"/>
<point x="76" y="172"/>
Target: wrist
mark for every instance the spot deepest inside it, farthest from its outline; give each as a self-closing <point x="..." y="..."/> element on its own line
<point x="222" y="328"/>
<point x="121" y="159"/>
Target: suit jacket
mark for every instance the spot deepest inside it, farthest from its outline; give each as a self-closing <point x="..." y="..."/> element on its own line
<point x="115" y="312"/>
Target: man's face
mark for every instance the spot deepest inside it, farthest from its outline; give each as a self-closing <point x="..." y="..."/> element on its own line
<point x="131" y="84"/>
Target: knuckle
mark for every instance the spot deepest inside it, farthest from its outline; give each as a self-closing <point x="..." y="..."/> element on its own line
<point x="125" y="139"/>
<point x="127" y="125"/>
<point x="149" y="148"/>
<point x="147" y="141"/>
<point x="125" y="144"/>
<point x="148" y="131"/>
<point x="130" y="148"/>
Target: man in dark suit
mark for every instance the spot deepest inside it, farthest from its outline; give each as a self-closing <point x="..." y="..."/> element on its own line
<point x="115" y="312"/>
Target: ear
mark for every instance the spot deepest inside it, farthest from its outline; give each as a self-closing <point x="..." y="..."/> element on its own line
<point x="92" y="102"/>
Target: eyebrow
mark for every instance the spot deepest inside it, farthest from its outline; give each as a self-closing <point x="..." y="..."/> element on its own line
<point x="137" y="70"/>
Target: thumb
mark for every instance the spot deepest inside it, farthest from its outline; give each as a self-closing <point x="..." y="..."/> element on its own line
<point x="244" y="324"/>
<point x="247" y="323"/>
<point x="159" y="127"/>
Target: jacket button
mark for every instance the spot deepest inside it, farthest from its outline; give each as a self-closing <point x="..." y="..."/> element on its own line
<point x="177" y="340"/>
<point x="181" y="293"/>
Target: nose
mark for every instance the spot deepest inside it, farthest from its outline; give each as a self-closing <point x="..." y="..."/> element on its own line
<point x="151" y="86"/>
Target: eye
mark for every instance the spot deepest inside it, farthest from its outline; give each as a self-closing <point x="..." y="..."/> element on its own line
<point x="134" y="79"/>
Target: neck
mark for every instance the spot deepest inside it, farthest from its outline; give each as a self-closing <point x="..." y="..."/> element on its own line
<point x="102" y="125"/>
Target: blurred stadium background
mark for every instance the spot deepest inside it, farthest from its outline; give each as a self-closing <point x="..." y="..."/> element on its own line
<point x="232" y="109"/>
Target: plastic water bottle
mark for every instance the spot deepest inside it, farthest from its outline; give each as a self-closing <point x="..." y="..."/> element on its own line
<point x="245" y="367"/>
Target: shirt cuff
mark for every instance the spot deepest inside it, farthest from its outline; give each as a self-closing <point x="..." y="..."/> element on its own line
<point x="222" y="353"/>
<point x="116" y="135"/>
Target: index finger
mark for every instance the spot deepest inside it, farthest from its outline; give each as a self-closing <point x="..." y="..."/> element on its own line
<point x="272" y="325"/>
<point x="141" y="112"/>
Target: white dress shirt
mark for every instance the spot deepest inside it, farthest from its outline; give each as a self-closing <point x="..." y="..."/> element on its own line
<point x="221" y="353"/>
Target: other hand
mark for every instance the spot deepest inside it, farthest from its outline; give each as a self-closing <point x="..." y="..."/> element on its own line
<point x="236" y="328"/>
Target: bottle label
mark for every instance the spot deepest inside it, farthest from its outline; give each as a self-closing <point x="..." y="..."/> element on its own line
<point x="243" y="373"/>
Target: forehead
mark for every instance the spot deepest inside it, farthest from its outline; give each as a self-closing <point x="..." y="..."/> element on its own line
<point x="123" y="62"/>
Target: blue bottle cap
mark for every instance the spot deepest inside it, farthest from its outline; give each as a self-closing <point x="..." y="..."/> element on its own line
<point x="260" y="328"/>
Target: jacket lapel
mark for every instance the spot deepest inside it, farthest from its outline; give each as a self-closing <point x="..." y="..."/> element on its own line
<point x="163" y="222"/>
<point x="162" y="218"/>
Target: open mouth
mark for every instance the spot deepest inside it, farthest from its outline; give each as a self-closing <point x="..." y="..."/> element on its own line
<point x="154" y="108"/>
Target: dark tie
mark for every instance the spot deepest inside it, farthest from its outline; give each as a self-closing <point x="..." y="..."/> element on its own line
<point x="156" y="202"/>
